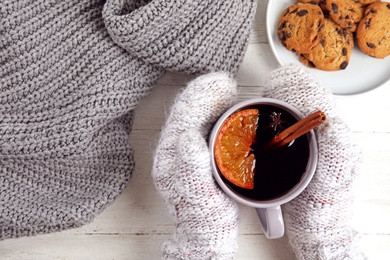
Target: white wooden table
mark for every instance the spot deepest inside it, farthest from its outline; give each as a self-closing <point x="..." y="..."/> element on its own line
<point x="135" y="226"/>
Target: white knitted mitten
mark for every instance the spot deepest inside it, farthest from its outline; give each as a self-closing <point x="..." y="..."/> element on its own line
<point x="206" y="219"/>
<point x="317" y="220"/>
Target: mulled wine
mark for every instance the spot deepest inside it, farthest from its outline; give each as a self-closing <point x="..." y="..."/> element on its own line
<point x="277" y="171"/>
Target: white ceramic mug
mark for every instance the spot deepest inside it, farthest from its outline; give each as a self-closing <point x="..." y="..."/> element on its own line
<point x="268" y="211"/>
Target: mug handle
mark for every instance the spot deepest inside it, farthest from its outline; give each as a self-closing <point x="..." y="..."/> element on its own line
<point x="271" y="221"/>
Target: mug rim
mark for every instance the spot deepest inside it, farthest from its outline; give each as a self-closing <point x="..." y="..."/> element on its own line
<point x="306" y="177"/>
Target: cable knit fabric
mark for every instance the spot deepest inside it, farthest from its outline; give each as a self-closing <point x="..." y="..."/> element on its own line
<point x="71" y="73"/>
<point x="317" y="221"/>
<point x="205" y="218"/>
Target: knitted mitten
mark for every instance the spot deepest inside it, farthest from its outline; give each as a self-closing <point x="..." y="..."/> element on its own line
<point x="317" y="220"/>
<point x="71" y="73"/>
<point x="205" y="218"/>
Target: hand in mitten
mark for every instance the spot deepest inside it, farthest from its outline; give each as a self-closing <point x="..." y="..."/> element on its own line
<point x="317" y="220"/>
<point x="205" y="218"/>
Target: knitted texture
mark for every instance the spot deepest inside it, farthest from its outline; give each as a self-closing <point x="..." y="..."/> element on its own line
<point x="205" y="218"/>
<point x="317" y="220"/>
<point x="71" y="73"/>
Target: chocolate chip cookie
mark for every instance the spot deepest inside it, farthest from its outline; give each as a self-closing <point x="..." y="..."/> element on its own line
<point x="298" y="27"/>
<point x="373" y="33"/>
<point x="334" y="49"/>
<point x="346" y="13"/>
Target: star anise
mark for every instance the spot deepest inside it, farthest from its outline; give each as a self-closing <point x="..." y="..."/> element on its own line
<point x="277" y="123"/>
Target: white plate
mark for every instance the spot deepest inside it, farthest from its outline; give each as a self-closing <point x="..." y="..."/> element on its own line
<point x="363" y="73"/>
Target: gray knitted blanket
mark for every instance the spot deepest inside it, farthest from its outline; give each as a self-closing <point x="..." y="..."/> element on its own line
<point x="71" y="73"/>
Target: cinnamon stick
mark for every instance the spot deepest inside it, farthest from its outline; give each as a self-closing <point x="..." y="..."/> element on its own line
<point x="298" y="129"/>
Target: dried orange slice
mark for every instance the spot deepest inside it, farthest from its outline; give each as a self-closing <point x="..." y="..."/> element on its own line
<point x="233" y="148"/>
